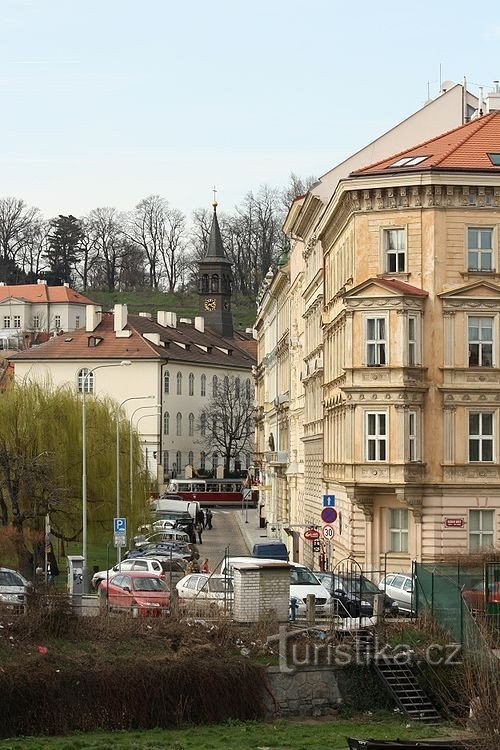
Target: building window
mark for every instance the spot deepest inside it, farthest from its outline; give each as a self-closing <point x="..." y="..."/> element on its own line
<point x="179" y="383"/>
<point x="376" y="436"/>
<point x="412" y="437"/>
<point x="178" y="424"/>
<point x="166" y="382"/>
<point x="166" y="423"/>
<point x="203" y="385"/>
<point x="398" y="530"/>
<point x="214" y="283"/>
<point x="191" y="384"/>
<point x="481" y="529"/>
<point x="248" y="389"/>
<point x="395" y="250"/>
<point x="191" y="458"/>
<point x="77" y="321"/>
<point x="480" y="436"/>
<point x="85" y="380"/>
<point x="214" y="426"/>
<point x="36" y="321"/>
<point x="165" y="465"/>
<point x="237" y="386"/>
<point x="178" y="460"/>
<point x="480" y="249"/>
<point x="57" y="322"/>
<point x="215" y="385"/>
<point x="203" y="425"/>
<point x="480" y="342"/>
<point x="376" y="342"/>
<point x="412" y="340"/>
<point x="191" y="425"/>
<point x="17" y="321"/>
<point x="6" y="321"/>
<point x="215" y="461"/>
<point x="203" y="460"/>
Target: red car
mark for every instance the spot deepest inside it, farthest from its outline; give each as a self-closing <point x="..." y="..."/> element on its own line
<point x="136" y="592"/>
<point x="476" y="599"/>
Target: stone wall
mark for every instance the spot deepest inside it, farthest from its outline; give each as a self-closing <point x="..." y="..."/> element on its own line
<point x="305" y="692"/>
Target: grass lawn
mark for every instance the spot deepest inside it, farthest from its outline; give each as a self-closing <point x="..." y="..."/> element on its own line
<point x="320" y="734"/>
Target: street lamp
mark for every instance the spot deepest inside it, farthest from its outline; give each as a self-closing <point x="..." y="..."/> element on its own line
<point x="85" y="385"/>
<point x="131" y="478"/>
<point x="131" y="398"/>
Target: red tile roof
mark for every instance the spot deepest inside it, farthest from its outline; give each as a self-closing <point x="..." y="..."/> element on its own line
<point x="463" y="148"/>
<point x="43" y="293"/>
<point x="400" y="286"/>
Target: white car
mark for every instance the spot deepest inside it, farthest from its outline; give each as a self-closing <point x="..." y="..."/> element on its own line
<point x="156" y="566"/>
<point x="206" y="589"/>
<point x="399" y="586"/>
<point x="13" y="588"/>
<point x="302" y="582"/>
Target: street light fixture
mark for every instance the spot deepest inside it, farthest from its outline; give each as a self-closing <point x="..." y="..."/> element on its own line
<point x="131" y="478"/>
<point x="131" y="398"/>
<point x="85" y="385"/>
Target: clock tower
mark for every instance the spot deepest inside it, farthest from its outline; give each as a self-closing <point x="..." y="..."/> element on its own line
<point x="215" y="282"/>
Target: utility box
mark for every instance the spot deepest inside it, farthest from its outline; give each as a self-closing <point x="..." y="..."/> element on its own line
<point x="261" y="590"/>
<point x="75" y="575"/>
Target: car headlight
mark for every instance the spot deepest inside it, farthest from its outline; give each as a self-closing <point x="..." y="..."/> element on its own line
<point x="11" y="598"/>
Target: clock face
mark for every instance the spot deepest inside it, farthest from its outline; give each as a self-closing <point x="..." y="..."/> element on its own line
<point x="210" y="303"/>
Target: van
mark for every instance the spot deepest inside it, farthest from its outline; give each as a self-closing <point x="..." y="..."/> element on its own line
<point x="272" y="549"/>
<point x="162" y="506"/>
<point x="302" y="582"/>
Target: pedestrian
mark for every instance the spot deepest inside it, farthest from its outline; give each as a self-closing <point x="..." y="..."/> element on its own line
<point x="200" y="518"/>
<point x="209" y="518"/>
<point x="192" y="535"/>
<point x="199" y="530"/>
<point x="205" y="568"/>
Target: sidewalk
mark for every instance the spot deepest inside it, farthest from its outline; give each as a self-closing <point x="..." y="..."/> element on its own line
<point x="250" y="531"/>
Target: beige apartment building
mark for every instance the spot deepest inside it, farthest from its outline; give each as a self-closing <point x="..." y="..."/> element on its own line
<point x="400" y="295"/>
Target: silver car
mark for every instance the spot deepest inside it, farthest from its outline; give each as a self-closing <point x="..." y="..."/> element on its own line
<point x="399" y="586"/>
<point x="13" y="588"/>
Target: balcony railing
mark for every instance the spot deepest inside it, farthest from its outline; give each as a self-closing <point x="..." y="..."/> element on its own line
<point x="277" y="458"/>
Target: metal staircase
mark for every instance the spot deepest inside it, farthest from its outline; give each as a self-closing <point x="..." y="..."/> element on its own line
<point x="402" y="683"/>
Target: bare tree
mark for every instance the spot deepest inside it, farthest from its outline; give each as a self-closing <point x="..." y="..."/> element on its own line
<point x="104" y="227"/>
<point x="34" y="249"/>
<point x="226" y="423"/>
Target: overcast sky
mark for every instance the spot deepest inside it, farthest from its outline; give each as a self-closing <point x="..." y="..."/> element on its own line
<point x="106" y="101"/>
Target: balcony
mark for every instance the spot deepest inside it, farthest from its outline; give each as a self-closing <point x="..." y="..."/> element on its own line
<point x="276" y="458"/>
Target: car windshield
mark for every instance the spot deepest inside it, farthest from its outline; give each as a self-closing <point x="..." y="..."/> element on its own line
<point x="7" y="578"/>
<point x="303" y="576"/>
<point x="148" y="584"/>
<point x="220" y="585"/>
<point x="358" y="586"/>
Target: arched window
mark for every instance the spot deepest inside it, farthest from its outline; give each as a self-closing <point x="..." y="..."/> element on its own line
<point x="203" y="385"/>
<point x="203" y="425"/>
<point x="215" y="461"/>
<point x="178" y="460"/>
<point x="248" y="389"/>
<point x="237" y="387"/>
<point x="203" y="458"/>
<point x="179" y="383"/>
<point x="214" y="426"/>
<point x="215" y="283"/>
<point x="178" y="424"/>
<point x="226" y="383"/>
<point x="204" y="283"/>
<point x="191" y="384"/>
<point x="166" y="382"/>
<point x="166" y="466"/>
<point x="191" y="458"/>
<point x="166" y="423"/>
<point x="191" y="425"/>
<point x="215" y="385"/>
<point x="85" y="380"/>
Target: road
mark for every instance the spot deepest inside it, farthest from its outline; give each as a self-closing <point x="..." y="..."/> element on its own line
<point x="225" y="532"/>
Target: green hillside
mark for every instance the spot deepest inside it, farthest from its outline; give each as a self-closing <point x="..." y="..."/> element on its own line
<point x="182" y="303"/>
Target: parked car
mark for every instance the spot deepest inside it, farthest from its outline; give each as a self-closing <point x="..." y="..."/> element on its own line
<point x="206" y="590"/>
<point x="399" y="586"/>
<point x="13" y="589"/>
<point x="165" y="523"/>
<point x="475" y="596"/>
<point x="165" y="535"/>
<point x="135" y="592"/>
<point x="272" y="548"/>
<point x="302" y="582"/>
<point x="156" y="566"/>
<point x="353" y="594"/>
<point x="164" y="549"/>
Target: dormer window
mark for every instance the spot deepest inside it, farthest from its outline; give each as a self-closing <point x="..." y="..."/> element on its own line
<point x="93" y="341"/>
<point x="495" y="159"/>
<point x="408" y="161"/>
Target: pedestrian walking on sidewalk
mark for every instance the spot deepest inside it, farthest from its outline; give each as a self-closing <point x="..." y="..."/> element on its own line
<point x="199" y="530"/>
<point x="209" y="516"/>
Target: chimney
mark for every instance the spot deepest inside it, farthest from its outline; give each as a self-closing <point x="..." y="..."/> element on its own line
<point x="199" y="323"/>
<point x="2" y="283"/>
<point x="66" y="284"/>
<point x="493" y="100"/>
<point x="120" y="314"/>
<point x="42" y="281"/>
<point x="92" y="317"/>
<point x="153" y="337"/>
<point x="185" y="320"/>
<point x="145" y="315"/>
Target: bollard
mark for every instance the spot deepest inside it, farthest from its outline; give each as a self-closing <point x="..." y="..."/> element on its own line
<point x="294" y="605"/>
<point x="378" y="606"/>
<point x="311" y="609"/>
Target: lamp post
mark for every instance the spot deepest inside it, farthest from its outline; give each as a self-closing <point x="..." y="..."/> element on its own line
<point x="131" y="467"/>
<point x="85" y="385"/>
<point x="117" y="414"/>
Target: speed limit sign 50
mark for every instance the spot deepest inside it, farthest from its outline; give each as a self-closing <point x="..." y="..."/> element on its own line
<point x="328" y="532"/>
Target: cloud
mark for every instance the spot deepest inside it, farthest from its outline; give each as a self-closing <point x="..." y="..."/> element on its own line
<point x="492" y="33"/>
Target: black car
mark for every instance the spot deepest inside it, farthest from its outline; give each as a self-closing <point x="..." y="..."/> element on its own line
<point x="353" y="594"/>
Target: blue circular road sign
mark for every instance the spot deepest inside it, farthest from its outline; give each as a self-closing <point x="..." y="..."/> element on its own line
<point x="328" y="515"/>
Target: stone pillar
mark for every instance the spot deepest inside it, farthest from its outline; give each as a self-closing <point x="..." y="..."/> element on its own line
<point x="449" y="433"/>
<point x="366" y="505"/>
<point x="449" y="337"/>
